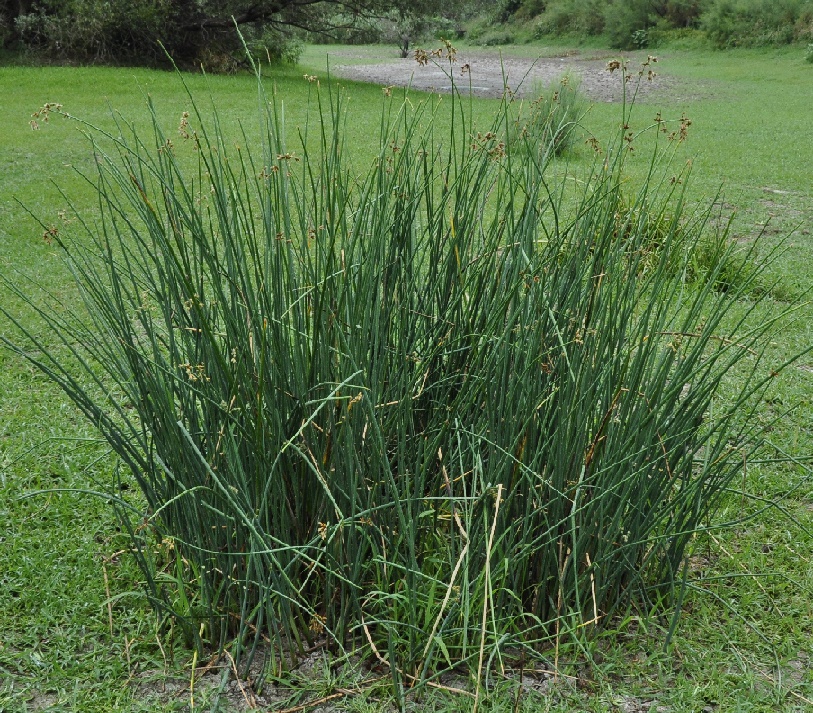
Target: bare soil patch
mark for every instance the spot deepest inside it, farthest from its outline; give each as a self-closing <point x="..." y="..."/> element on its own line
<point x="487" y="74"/>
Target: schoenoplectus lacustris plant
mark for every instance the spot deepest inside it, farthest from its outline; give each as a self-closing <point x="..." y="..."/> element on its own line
<point x="455" y="410"/>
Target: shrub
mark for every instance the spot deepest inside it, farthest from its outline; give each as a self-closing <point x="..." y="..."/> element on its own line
<point x="628" y="23"/>
<point x="97" y="30"/>
<point x="571" y="17"/>
<point x="619" y="20"/>
<point x="529" y="10"/>
<point x="274" y="46"/>
<point x="640" y="39"/>
<point x="406" y="30"/>
<point x="6" y="30"/>
<point x="495" y="38"/>
<point x="143" y="31"/>
<point x="758" y="22"/>
<point x="682" y="13"/>
<point x="809" y="53"/>
<point x="505" y="9"/>
<point x="437" y="414"/>
<point x="625" y="21"/>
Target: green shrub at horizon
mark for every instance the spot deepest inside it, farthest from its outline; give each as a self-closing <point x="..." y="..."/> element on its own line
<point x="642" y="23"/>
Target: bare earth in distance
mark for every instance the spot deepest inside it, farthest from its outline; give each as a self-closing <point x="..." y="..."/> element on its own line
<point x="488" y="73"/>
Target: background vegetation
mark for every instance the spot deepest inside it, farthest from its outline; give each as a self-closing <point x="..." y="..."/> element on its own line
<point x="644" y="23"/>
<point x="116" y="31"/>
<point x="195" y="31"/>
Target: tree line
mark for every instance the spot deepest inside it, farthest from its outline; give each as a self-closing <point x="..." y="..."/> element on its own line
<point x="203" y="31"/>
<point x="191" y="31"/>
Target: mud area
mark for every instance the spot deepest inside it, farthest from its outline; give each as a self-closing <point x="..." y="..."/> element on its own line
<point x="487" y="74"/>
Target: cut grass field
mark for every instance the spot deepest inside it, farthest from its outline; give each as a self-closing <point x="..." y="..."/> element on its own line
<point x="75" y="632"/>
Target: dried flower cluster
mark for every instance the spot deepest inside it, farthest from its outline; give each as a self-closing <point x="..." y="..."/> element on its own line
<point x="447" y="51"/>
<point x="44" y="113"/>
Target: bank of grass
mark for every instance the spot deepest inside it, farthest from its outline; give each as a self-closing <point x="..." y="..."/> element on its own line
<point x="743" y="643"/>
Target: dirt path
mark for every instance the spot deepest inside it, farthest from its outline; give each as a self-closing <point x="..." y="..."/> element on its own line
<point x="487" y="73"/>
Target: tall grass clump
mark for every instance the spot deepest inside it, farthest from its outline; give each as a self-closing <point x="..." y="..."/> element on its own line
<point x="442" y="413"/>
<point x="549" y="121"/>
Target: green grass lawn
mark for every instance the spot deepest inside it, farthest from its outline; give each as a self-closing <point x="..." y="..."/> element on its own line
<point x="77" y="635"/>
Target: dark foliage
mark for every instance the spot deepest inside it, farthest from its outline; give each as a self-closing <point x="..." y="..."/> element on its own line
<point x="191" y="31"/>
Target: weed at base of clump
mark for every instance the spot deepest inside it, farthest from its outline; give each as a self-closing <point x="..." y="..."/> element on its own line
<point x="729" y="267"/>
<point x="661" y="229"/>
<point x="809" y="54"/>
<point x="436" y="414"/>
<point x="698" y="247"/>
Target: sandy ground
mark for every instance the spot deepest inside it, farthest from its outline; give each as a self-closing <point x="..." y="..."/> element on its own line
<point x="239" y="697"/>
<point x="487" y="74"/>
